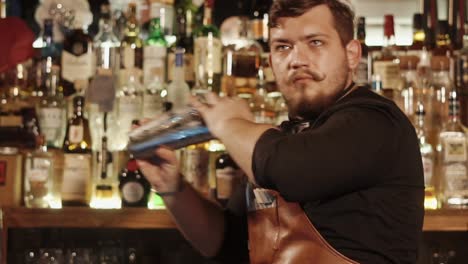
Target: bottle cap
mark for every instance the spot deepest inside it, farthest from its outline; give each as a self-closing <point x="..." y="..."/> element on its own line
<point x="389" y="26"/>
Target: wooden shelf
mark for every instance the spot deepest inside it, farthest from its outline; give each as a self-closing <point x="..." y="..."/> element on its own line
<point x="83" y="217"/>
<point x="142" y="218"/>
<point x="446" y="220"/>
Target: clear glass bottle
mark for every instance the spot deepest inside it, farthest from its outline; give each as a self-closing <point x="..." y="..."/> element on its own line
<point x="154" y="98"/>
<point x="39" y="177"/>
<point x="452" y="149"/>
<point x="228" y="177"/>
<point x="387" y="63"/>
<point x="76" y="180"/>
<point x="462" y="78"/>
<point x="362" y="75"/>
<point x="129" y="103"/>
<point x="259" y="19"/>
<point x="131" y="46"/>
<point x="246" y="61"/>
<point x="106" y="44"/>
<point x="178" y="91"/>
<point x="261" y="105"/>
<point x="52" y="111"/>
<point x="105" y="194"/>
<point x="207" y="54"/>
<point x="428" y="159"/>
<point x="155" y="53"/>
<point x="282" y="112"/>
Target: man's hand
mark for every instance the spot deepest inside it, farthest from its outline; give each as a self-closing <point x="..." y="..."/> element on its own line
<point x="166" y="176"/>
<point x="218" y="111"/>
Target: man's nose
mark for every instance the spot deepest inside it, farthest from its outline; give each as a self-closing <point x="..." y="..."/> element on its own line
<point x="298" y="57"/>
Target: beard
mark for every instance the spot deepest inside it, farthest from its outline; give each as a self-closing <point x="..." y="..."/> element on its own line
<point x="314" y="97"/>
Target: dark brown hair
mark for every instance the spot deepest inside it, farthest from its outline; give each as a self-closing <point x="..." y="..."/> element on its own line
<point x="342" y="14"/>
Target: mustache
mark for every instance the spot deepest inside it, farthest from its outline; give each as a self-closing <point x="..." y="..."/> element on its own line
<point x="316" y="76"/>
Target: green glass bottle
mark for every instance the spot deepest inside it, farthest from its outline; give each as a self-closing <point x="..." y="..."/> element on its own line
<point x="155" y="53"/>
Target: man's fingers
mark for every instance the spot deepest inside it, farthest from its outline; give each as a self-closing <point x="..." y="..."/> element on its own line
<point x="166" y="154"/>
<point x="211" y="98"/>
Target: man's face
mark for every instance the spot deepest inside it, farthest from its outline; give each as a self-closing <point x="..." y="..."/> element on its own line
<point x="309" y="61"/>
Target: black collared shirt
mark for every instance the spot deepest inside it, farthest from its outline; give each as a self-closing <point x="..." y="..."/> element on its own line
<point x="357" y="172"/>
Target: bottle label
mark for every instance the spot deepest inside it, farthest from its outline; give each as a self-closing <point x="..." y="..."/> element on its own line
<point x="76" y="176"/>
<point x="152" y="105"/>
<point x="389" y="72"/>
<point x="208" y="54"/>
<point x="362" y="76"/>
<point x="189" y="73"/>
<point x="132" y="192"/>
<point x="196" y="167"/>
<point x="129" y="107"/>
<point x="154" y="63"/>
<point x="75" y="134"/>
<point x="455" y="179"/>
<point x="51" y="122"/>
<point x="428" y="166"/>
<point x="131" y="57"/>
<point x="38" y="170"/>
<point x="227" y="180"/>
<point x="455" y="149"/>
<point x="77" y="67"/>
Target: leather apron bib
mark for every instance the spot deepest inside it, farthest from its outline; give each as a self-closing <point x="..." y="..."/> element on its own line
<point x="280" y="232"/>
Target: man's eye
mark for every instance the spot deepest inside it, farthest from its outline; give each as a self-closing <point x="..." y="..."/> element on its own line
<point x="316" y="42"/>
<point x="280" y="47"/>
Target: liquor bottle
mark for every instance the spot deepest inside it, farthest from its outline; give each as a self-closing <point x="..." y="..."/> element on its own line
<point x="129" y="102"/>
<point x="52" y="111"/>
<point x="178" y="91"/>
<point x="362" y="72"/>
<point x="50" y="51"/>
<point x="246" y="61"/>
<point x="133" y="186"/>
<point x="443" y="46"/>
<point x="195" y="167"/>
<point x="207" y="54"/>
<point x="77" y="58"/>
<point x="282" y="112"/>
<point x="106" y="44"/>
<point x="39" y="176"/>
<point x="261" y="105"/>
<point x="184" y="41"/>
<point x="387" y="65"/>
<point x="428" y="159"/>
<point x="105" y="194"/>
<point x="131" y="46"/>
<point x="259" y="20"/>
<point x="154" y="98"/>
<point x="419" y="35"/>
<point x="453" y="157"/>
<point x="228" y="177"/>
<point x="462" y="78"/>
<point x="77" y="158"/>
<point x="155" y="52"/>
<point x="165" y="11"/>
<point x="101" y="93"/>
<point x="409" y="89"/>
<point x="442" y="84"/>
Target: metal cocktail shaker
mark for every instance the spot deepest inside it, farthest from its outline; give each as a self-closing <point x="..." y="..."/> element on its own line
<point x="173" y="130"/>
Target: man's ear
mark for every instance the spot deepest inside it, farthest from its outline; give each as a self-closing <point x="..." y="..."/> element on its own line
<point x="353" y="52"/>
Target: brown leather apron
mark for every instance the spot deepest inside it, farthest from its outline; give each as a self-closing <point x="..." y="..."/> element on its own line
<point x="282" y="233"/>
